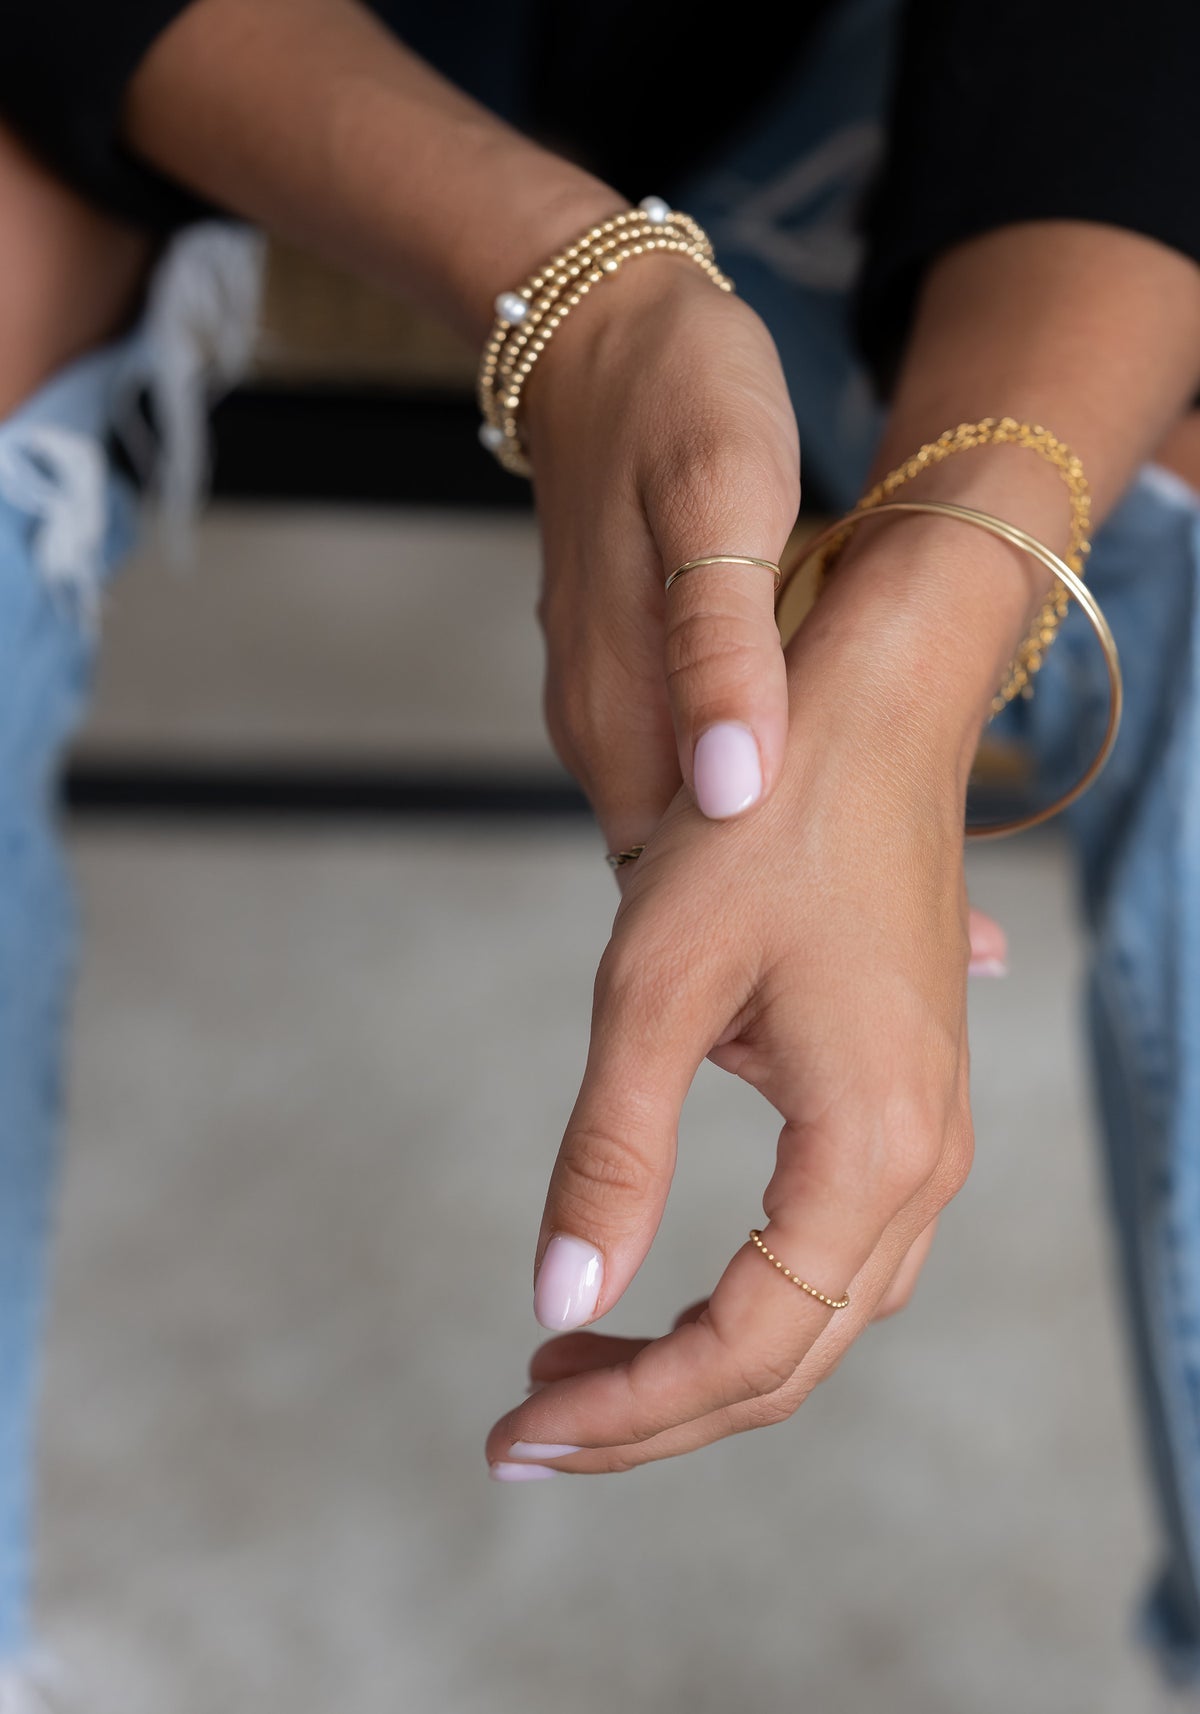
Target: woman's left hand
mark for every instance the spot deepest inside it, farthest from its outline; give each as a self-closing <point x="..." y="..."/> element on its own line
<point x="660" y="430"/>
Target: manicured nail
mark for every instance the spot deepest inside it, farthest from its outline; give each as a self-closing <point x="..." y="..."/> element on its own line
<point x="726" y="771"/>
<point x="568" y="1283"/>
<point x="530" y="1452"/>
<point x="987" y="967"/>
<point x="519" y="1472"/>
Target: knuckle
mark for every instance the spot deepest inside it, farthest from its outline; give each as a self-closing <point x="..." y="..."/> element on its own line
<point x="622" y="1460"/>
<point x="719" y="466"/>
<point x="706" y="646"/>
<point x="770" y="1411"/>
<point x="913" y="1152"/>
<point x="603" y="1182"/>
<point x="758" y="1374"/>
<point x="701" y="469"/>
<point x="548" y="607"/>
<point x="559" y="725"/>
<point x="631" y="980"/>
<point x="894" y="1300"/>
<point x="908" y="1169"/>
<point x="954" y="1168"/>
<point x="764" y="1373"/>
<point x="648" y="1414"/>
<point x="574" y="714"/>
<point x="602" y="1171"/>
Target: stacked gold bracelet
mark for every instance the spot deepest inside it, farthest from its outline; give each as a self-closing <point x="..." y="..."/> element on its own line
<point x="818" y="549"/>
<point x="998" y="431"/>
<point x="526" y="319"/>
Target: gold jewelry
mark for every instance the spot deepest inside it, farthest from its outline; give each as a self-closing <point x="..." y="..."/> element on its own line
<point x="724" y="559"/>
<point x="1067" y="576"/>
<point x="993" y="431"/>
<point x="618" y="859"/>
<point x="527" y="319"/>
<point x="830" y="1302"/>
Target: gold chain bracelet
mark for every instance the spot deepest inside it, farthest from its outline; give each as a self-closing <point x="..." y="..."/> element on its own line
<point x="818" y="546"/>
<point x="526" y="319"/>
<point x="999" y="431"/>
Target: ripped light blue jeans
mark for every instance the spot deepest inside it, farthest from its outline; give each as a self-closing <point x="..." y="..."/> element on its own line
<point x="65" y="521"/>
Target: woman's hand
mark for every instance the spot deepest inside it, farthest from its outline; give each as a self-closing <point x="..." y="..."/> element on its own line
<point x="819" y="950"/>
<point x="660" y="430"/>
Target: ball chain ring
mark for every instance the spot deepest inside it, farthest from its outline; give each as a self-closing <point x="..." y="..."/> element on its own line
<point x="843" y="1302"/>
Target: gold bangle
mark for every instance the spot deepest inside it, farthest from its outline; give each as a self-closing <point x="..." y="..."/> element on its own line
<point x="1001" y="431"/>
<point x="724" y="559"/>
<point x="1046" y="556"/>
<point x="527" y="319"/>
<point x="842" y="1302"/>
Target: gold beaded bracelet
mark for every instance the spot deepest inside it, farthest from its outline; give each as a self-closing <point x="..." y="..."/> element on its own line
<point x="993" y="431"/>
<point x="526" y="319"/>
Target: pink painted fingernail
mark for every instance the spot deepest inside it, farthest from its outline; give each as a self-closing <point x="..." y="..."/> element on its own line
<point x="568" y="1283"/>
<point x="531" y="1452"/>
<point x="987" y="967"/>
<point x="726" y="771"/>
<point x="519" y="1472"/>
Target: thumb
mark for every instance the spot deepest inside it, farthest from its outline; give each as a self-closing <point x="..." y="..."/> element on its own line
<point x="726" y="677"/>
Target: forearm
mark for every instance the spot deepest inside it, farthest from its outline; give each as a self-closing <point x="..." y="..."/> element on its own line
<point x="54" y="239"/>
<point x="1090" y="331"/>
<point x="309" y="118"/>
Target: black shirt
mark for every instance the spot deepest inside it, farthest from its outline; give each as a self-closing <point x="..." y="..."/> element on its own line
<point x="1000" y="113"/>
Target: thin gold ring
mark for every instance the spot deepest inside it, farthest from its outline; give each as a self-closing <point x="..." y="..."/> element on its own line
<point x="756" y="1238"/>
<point x="618" y="859"/>
<point x="724" y="559"/>
<point x="1029" y="544"/>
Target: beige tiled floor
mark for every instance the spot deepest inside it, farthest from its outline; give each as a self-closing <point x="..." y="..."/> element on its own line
<point x="319" y="1081"/>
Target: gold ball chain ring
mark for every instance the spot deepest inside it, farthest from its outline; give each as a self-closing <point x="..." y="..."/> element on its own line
<point x="756" y="1238"/>
<point x="527" y="319"/>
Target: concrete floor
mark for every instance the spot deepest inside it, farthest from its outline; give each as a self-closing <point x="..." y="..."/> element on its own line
<point x="319" y="1079"/>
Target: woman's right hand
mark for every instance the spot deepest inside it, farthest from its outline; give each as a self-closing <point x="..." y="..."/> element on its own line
<point x="818" y="950"/>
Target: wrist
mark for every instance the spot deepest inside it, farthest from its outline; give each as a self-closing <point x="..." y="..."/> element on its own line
<point x="659" y="310"/>
<point x="547" y="203"/>
<point x="950" y="601"/>
<point x="911" y="636"/>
